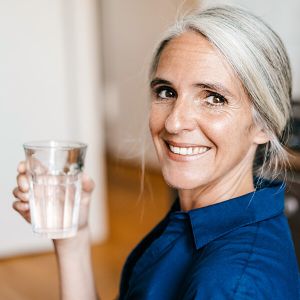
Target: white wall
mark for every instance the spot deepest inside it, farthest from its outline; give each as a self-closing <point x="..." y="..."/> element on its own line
<point x="49" y="88"/>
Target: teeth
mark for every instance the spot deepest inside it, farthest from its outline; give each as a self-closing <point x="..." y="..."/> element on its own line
<point x="175" y="150"/>
<point x="188" y="150"/>
<point x="183" y="151"/>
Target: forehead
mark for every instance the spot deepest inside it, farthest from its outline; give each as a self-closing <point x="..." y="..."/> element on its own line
<point x="191" y="58"/>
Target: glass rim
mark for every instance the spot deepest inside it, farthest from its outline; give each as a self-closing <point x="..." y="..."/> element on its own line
<point x="54" y="144"/>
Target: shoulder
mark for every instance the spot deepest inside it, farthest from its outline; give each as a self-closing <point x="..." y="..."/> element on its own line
<point x="252" y="262"/>
<point x="138" y="251"/>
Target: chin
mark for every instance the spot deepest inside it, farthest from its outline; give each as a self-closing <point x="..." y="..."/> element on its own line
<point x="182" y="182"/>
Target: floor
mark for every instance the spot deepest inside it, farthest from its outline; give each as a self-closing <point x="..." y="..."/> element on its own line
<point x="130" y="218"/>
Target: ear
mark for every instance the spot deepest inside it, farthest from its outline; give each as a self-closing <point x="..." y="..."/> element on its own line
<point x="261" y="136"/>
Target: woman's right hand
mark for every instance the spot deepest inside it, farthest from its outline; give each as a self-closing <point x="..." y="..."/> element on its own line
<point x="21" y="193"/>
<point x="73" y="254"/>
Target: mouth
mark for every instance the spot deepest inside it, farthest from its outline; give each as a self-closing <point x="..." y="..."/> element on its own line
<point x="186" y="150"/>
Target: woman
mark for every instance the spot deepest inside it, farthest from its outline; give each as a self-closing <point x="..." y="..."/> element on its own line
<point x="220" y="86"/>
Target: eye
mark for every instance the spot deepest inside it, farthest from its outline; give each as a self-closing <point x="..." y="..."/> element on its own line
<point x="165" y="93"/>
<point x="215" y="99"/>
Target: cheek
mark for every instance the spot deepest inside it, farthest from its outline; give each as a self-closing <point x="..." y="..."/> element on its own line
<point x="229" y="132"/>
<point x="157" y="120"/>
<point x="216" y="127"/>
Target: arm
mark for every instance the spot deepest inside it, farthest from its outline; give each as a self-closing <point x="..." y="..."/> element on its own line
<point x="73" y="254"/>
<point x="75" y="267"/>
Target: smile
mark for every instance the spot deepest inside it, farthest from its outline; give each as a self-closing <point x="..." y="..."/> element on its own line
<point x="185" y="150"/>
<point x="188" y="150"/>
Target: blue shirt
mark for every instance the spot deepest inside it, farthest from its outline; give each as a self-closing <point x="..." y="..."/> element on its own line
<point x="236" y="249"/>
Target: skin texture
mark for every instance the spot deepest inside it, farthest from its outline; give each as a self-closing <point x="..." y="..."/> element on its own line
<point x="198" y="100"/>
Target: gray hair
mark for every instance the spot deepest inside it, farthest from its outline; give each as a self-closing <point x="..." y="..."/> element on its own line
<point x="258" y="57"/>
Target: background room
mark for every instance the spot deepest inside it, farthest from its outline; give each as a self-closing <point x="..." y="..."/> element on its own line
<point x="77" y="70"/>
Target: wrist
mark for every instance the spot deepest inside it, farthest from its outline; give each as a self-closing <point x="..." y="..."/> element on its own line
<point x="75" y="266"/>
<point x="79" y="241"/>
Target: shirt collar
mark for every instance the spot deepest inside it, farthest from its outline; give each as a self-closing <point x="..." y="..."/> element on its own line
<point x="211" y="222"/>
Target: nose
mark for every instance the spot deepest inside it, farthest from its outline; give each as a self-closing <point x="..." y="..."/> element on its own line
<point x="181" y="118"/>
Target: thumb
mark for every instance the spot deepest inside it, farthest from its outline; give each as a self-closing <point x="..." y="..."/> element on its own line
<point x="88" y="183"/>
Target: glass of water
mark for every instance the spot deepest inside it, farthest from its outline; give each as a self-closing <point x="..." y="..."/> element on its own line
<point x="54" y="170"/>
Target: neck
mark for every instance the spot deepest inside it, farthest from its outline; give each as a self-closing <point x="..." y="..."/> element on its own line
<point x="219" y="190"/>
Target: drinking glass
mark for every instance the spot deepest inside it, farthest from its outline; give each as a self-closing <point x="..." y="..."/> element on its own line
<point x="54" y="169"/>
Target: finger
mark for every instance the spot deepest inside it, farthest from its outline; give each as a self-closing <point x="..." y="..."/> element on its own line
<point x="21" y="196"/>
<point x="33" y="164"/>
<point x="37" y="167"/>
<point x="21" y="207"/>
<point x="21" y="167"/>
<point x="23" y="183"/>
<point x="85" y="199"/>
<point x="88" y="184"/>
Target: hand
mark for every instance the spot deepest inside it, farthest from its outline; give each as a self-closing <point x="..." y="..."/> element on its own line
<point x="21" y="193"/>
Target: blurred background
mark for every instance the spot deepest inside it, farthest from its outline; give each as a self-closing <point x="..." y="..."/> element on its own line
<point x="77" y="70"/>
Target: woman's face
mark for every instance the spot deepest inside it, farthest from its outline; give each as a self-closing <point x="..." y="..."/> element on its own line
<point x="201" y="119"/>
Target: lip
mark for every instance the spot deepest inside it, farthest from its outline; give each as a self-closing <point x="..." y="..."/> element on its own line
<point x="183" y="158"/>
<point x="183" y="145"/>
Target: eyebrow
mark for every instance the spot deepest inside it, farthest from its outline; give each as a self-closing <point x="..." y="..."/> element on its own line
<point x="157" y="81"/>
<point x="205" y="85"/>
<point x="214" y="86"/>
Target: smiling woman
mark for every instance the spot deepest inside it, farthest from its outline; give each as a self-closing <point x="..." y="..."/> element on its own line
<point x="257" y="57"/>
<point x="199" y="111"/>
<point x="220" y="90"/>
